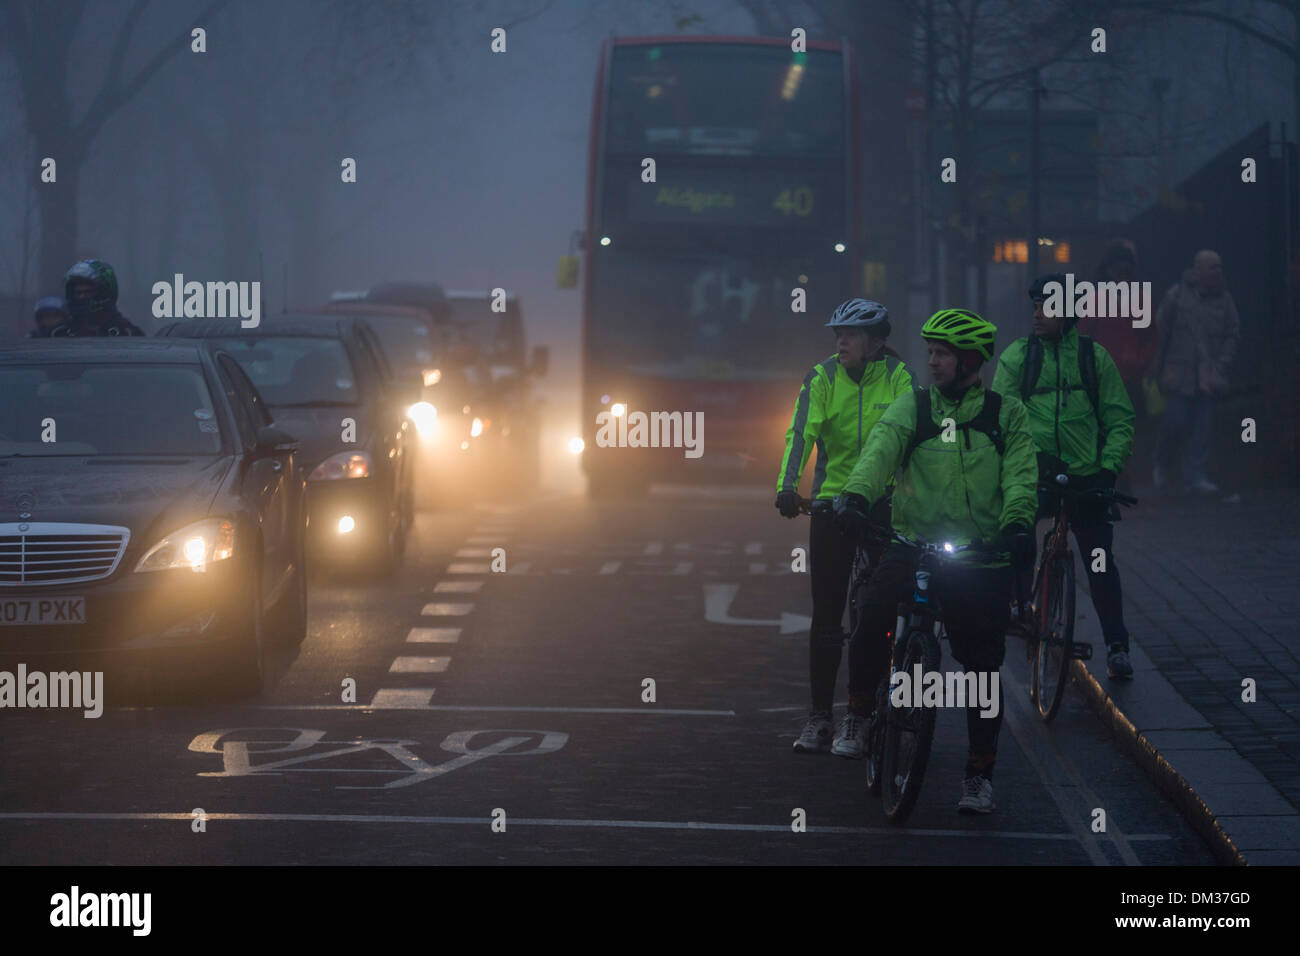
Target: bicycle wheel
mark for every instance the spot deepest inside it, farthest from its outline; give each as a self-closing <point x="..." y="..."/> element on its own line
<point x="1056" y="637"/>
<point x="909" y="732"/>
<point x="1035" y="627"/>
<point x="876" y="737"/>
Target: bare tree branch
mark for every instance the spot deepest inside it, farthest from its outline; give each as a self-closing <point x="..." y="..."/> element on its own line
<point x="114" y="94"/>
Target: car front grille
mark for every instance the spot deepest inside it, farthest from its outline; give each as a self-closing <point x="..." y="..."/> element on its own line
<point x="50" y="552"/>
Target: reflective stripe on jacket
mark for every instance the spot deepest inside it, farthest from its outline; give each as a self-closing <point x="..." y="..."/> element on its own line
<point x="836" y="414"/>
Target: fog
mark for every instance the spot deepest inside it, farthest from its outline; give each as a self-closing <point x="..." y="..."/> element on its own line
<point x="471" y="164"/>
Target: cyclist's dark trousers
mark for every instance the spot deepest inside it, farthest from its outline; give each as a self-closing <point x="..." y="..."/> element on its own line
<point x="830" y="561"/>
<point x="1093" y="528"/>
<point x="975" y="617"/>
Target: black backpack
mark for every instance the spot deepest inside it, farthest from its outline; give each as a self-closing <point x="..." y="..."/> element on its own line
<point x="1033" y="367"/>
<point x="985" y="420"/>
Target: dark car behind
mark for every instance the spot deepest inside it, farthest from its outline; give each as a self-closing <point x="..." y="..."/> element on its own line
<point x="326" y="382"/>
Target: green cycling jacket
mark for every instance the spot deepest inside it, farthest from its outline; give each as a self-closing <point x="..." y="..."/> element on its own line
<point x="836" y="414"/>
<point x="956" y="490"/>
<point x="1061" y="416"/>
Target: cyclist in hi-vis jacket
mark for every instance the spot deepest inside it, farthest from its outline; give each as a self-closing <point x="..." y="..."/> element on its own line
<point x="1090" y="442"/>
<point x="973" y="480"/>
<point x="839" y="403"/>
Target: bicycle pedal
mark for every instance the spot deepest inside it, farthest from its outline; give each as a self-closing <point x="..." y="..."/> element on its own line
<point x="1083" y="652"/>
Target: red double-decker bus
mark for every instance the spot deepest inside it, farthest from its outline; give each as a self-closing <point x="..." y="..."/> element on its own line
<point x="689" y="280"/>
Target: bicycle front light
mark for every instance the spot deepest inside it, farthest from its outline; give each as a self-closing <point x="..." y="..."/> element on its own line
<point x="195" y="547"/>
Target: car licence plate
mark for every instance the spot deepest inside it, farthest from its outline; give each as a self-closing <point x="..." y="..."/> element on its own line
<point x="66" y="610"/>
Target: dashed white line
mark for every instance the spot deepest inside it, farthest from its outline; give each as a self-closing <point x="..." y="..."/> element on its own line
<point x="419" y="665"/>
<point x="389" y="698"/>
<point x="610" y="567"/>
<point x="474" y="553"/>
<point x="445" y="609"/>
<point x="754" y="547"/>
<point x="457" y="587"/>
<point x="460" y="567"/>
<point x="653" y="548"/>
<point x="433" y="635"/>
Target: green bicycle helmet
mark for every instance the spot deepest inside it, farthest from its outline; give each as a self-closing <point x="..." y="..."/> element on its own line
<point x="963" y="330"/>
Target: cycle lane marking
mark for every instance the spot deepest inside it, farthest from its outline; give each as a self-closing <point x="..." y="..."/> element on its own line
<point x="237" y="754"/>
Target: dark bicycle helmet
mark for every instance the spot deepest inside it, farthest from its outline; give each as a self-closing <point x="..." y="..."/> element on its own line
<point x="99" y="296"/>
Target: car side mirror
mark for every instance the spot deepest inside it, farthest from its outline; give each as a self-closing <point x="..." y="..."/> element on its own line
<point x="541" y="360"/>
<point x="274" y="440"/>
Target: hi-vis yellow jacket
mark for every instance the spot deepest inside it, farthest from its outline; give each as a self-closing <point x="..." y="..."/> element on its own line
<point x="836" y="414"/>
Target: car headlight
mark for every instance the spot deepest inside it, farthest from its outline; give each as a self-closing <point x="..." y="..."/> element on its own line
<point x="345" y="464"/>
<point x="195" y="547"/>
<point x="425" y="417"/>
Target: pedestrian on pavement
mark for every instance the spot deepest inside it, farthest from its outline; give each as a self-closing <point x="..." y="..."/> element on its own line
<point x="1083" y="430"/>
<point x="1199" y="333"/>
<point x="1133" y="350"/>
<point x="839" y="403"/>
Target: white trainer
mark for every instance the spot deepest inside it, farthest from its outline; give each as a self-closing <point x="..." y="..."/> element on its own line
<point x="851" y="741"/>
<point x="816" y="736"/>
<point x="976" y="795"/>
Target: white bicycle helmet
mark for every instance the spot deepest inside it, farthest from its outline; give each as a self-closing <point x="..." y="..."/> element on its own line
<point x="858" y="314"/>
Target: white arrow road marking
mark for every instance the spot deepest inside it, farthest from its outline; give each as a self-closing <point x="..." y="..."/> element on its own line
<point x="717" y="602"/>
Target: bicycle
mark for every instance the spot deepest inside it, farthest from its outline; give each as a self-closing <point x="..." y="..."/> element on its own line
<point x="900" y="744"/>
<point x="1050" y="623"/>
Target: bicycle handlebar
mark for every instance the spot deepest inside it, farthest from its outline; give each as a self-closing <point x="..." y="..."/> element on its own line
<point x="976" y="547"/>
<point x="1061" y="484"/>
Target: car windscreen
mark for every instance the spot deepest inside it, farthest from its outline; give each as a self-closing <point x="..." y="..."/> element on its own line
<point x="405" y="341"/>
<point x="117" y="409"/>
<point x="296" y="370"/>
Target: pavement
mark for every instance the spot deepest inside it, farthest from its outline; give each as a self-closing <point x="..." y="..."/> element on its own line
<point x="1210" y="600"/>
